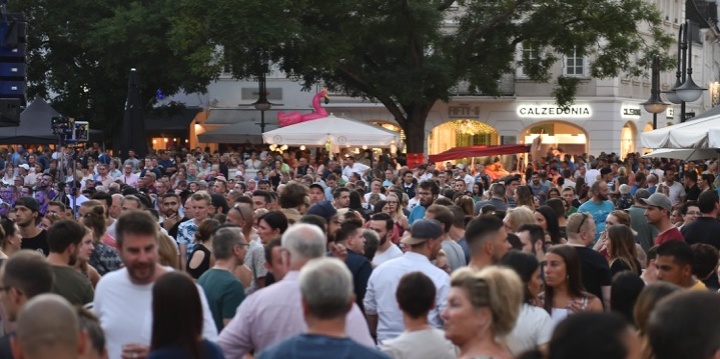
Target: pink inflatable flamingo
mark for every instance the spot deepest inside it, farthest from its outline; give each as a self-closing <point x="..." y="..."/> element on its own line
<point x="287" y="119"/>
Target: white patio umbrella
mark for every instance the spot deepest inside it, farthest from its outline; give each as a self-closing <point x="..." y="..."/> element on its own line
<point x="685" y="154"/>
<point x="332" y="131"/>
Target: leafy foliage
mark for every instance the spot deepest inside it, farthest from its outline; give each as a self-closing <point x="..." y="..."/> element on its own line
<point x="82" y="52"/>
<point x="404" y="54"/>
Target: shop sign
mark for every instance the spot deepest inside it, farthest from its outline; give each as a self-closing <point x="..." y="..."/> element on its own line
<point x="554" y="111"/>
<point x="670" y="113"/>
<point x="631" y="112"/>
<point x="464" y="111"/>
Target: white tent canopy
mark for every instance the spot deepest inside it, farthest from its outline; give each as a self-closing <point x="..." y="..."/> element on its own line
<point x="702" y="131"/>
<point x="243" y="132"/>
<point x="685" y="154"/>
<point x="337" y="130"/>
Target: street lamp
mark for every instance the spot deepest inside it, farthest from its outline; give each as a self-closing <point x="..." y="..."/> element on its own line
<point x="262" y="104"/>
<point x="655" y="104"/>
<point x="685" y="89"/>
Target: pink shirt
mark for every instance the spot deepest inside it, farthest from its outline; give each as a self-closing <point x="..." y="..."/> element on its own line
<point x="131" y="179"/>
<point x="109" y="240"/>
<point x="273" y="314"/>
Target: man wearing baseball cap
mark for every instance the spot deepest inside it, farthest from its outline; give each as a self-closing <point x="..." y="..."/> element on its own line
<point x="657" y="214"/>
<point x="27" y="212"/>
<point x="384" y="315"/>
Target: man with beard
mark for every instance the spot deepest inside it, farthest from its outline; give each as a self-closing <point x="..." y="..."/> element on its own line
<point x="598" y="206"/>
<point x="43" y="199"/>
<point x="64" y="239"/>
<point x="594" y="269"/>
<point x="129" y="177"/>
<point x="428" y="192"/>
<point x="45" y="183"/>
<point x="8" y="194"/>
<point x="123" y="300"/>
<point x="677" y="191"/>
<point x="26" y="216"/>
<point x="170" y="207"/>
<point x="384" y="316"/>
<point x="487" y="239"/>
<point x="383" y="224"/>
<point x="657" y="214"/>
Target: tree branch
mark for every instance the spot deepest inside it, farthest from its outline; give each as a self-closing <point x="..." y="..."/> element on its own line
<point x="445" y="5"/>
<point x="475" y="33"/>
<point x="369" y="89"/>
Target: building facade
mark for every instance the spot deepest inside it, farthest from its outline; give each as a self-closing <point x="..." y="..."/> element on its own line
<point x="607" y="115"/>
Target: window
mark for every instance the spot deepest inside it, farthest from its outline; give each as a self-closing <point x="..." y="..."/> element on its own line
<point x="528" y="57"/>
<point x="574" y="64"/>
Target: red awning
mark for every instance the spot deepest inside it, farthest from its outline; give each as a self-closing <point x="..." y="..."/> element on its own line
<point x="478" y="151"/>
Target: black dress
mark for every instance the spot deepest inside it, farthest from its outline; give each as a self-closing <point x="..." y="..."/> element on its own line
<point x="204" y="265"/>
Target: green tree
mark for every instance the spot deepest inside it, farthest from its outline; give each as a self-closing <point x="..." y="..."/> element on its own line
<point x="81" y="51"/>
<point x="408" y="55"/>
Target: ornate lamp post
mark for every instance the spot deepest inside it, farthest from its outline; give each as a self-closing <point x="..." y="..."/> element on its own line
<point x="685" y="89"/>
<point x="655" y="104"/>
<point x="262" y="104"/>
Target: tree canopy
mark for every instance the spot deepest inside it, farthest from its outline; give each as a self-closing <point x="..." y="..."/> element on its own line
<point x="404" y="54"/>
<point x="81" y="51"/>
<point x="408" y="55"/>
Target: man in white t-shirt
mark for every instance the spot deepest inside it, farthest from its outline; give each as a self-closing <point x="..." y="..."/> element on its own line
<point x="383" y="225"/>
<point x="416" y="297"/>
<point x="375" y="188"/>
<point x="354" y="167"/>
<point x="677" y="191"/>
<point x="123" y="298"/>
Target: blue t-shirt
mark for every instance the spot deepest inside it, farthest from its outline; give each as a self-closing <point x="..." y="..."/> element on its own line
<point x="418" y="212"/>
<point x="210" y="351"/>
<point x="311" y="346"/>
<point x="599" y="212"/>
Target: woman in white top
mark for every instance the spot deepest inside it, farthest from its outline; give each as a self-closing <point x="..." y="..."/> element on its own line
<point x="564" y="292"/>
<point x="481" y="310"/>
<point x="534" y="327"/>
<point x="9" y="177"/>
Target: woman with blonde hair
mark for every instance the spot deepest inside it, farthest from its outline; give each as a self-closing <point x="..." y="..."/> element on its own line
<point x="482" y="308"/>
<point x="168" y="252"/>
<point x="518" y="216"/>
<point x="393" y="207"/>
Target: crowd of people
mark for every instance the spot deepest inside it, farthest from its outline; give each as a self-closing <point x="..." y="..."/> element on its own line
<point x="252" y="253"/>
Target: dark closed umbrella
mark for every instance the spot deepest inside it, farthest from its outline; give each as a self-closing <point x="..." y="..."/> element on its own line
<point x="132" y="136"/>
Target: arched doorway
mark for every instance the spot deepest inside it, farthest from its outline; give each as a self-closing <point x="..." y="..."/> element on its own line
<point x="648" y="127"/>
<point x="569" y="137"/>
<point x="627" y="139"/>
<point x="461" y="133"/>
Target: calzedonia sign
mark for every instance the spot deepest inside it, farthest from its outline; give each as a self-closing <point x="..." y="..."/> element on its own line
<point x="551" y="111"/>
